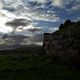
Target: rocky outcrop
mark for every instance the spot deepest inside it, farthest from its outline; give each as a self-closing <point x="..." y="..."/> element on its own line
<point x="64" y="44"/>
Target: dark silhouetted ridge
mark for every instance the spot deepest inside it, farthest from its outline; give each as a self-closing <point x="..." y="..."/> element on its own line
<point x="64" y="44"/>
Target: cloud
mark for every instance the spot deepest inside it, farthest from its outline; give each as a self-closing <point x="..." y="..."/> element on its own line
<point x="61" y="3"/>
<point x="41" y="14"/>
<point x="58" y="3"/>
<point x="47" y="13"/>
<point x="7" y="14"/>
<point x="24" y="9"/>
<point x="39" y="1"/>
<point x="75" y="4"/>
<point x="35" y="29"/>
<point x="75" y="8"/>
<point x="18" y="22"/>
<point x="51" y="30"/>
<point x="32" y="29"/>
<point x="1" y="4"/>
<point x="29" y="30"/>
<point x="13" y="39"/>
<point x="46" y="17"/>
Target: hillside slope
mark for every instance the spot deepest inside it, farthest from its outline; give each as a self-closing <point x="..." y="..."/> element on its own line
<point x="64" y="44"/>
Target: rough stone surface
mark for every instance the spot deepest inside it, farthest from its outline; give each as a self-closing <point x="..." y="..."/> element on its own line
<point x="64" y="44"/>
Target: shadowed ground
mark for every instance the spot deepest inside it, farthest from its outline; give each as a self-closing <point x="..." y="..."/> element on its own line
<point x="27" y="65"/>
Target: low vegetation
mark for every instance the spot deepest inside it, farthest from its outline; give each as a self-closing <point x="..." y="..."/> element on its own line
<point x="23" y="65"/>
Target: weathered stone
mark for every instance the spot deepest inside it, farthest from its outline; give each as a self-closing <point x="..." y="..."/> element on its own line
<point x="64" y="44"/>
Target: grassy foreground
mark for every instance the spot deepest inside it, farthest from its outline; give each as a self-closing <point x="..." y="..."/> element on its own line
<point x="29" y="66"/>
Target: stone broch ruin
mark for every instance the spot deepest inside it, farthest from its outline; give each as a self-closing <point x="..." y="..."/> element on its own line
<point x="64" y="44"/>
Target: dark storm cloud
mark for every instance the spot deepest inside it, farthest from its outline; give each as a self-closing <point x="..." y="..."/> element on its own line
<point x="35" y="29"/>
<point x="13" y="39"/>
<point x="10" y="9"/>
<point x="18" y="22"/>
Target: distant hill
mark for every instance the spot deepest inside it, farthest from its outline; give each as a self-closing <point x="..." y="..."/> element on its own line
<point x="64" y="44"/>
<point x="15" y="49"/>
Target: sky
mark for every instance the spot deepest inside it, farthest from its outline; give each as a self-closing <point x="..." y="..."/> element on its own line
<point x="32" y="18"/>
